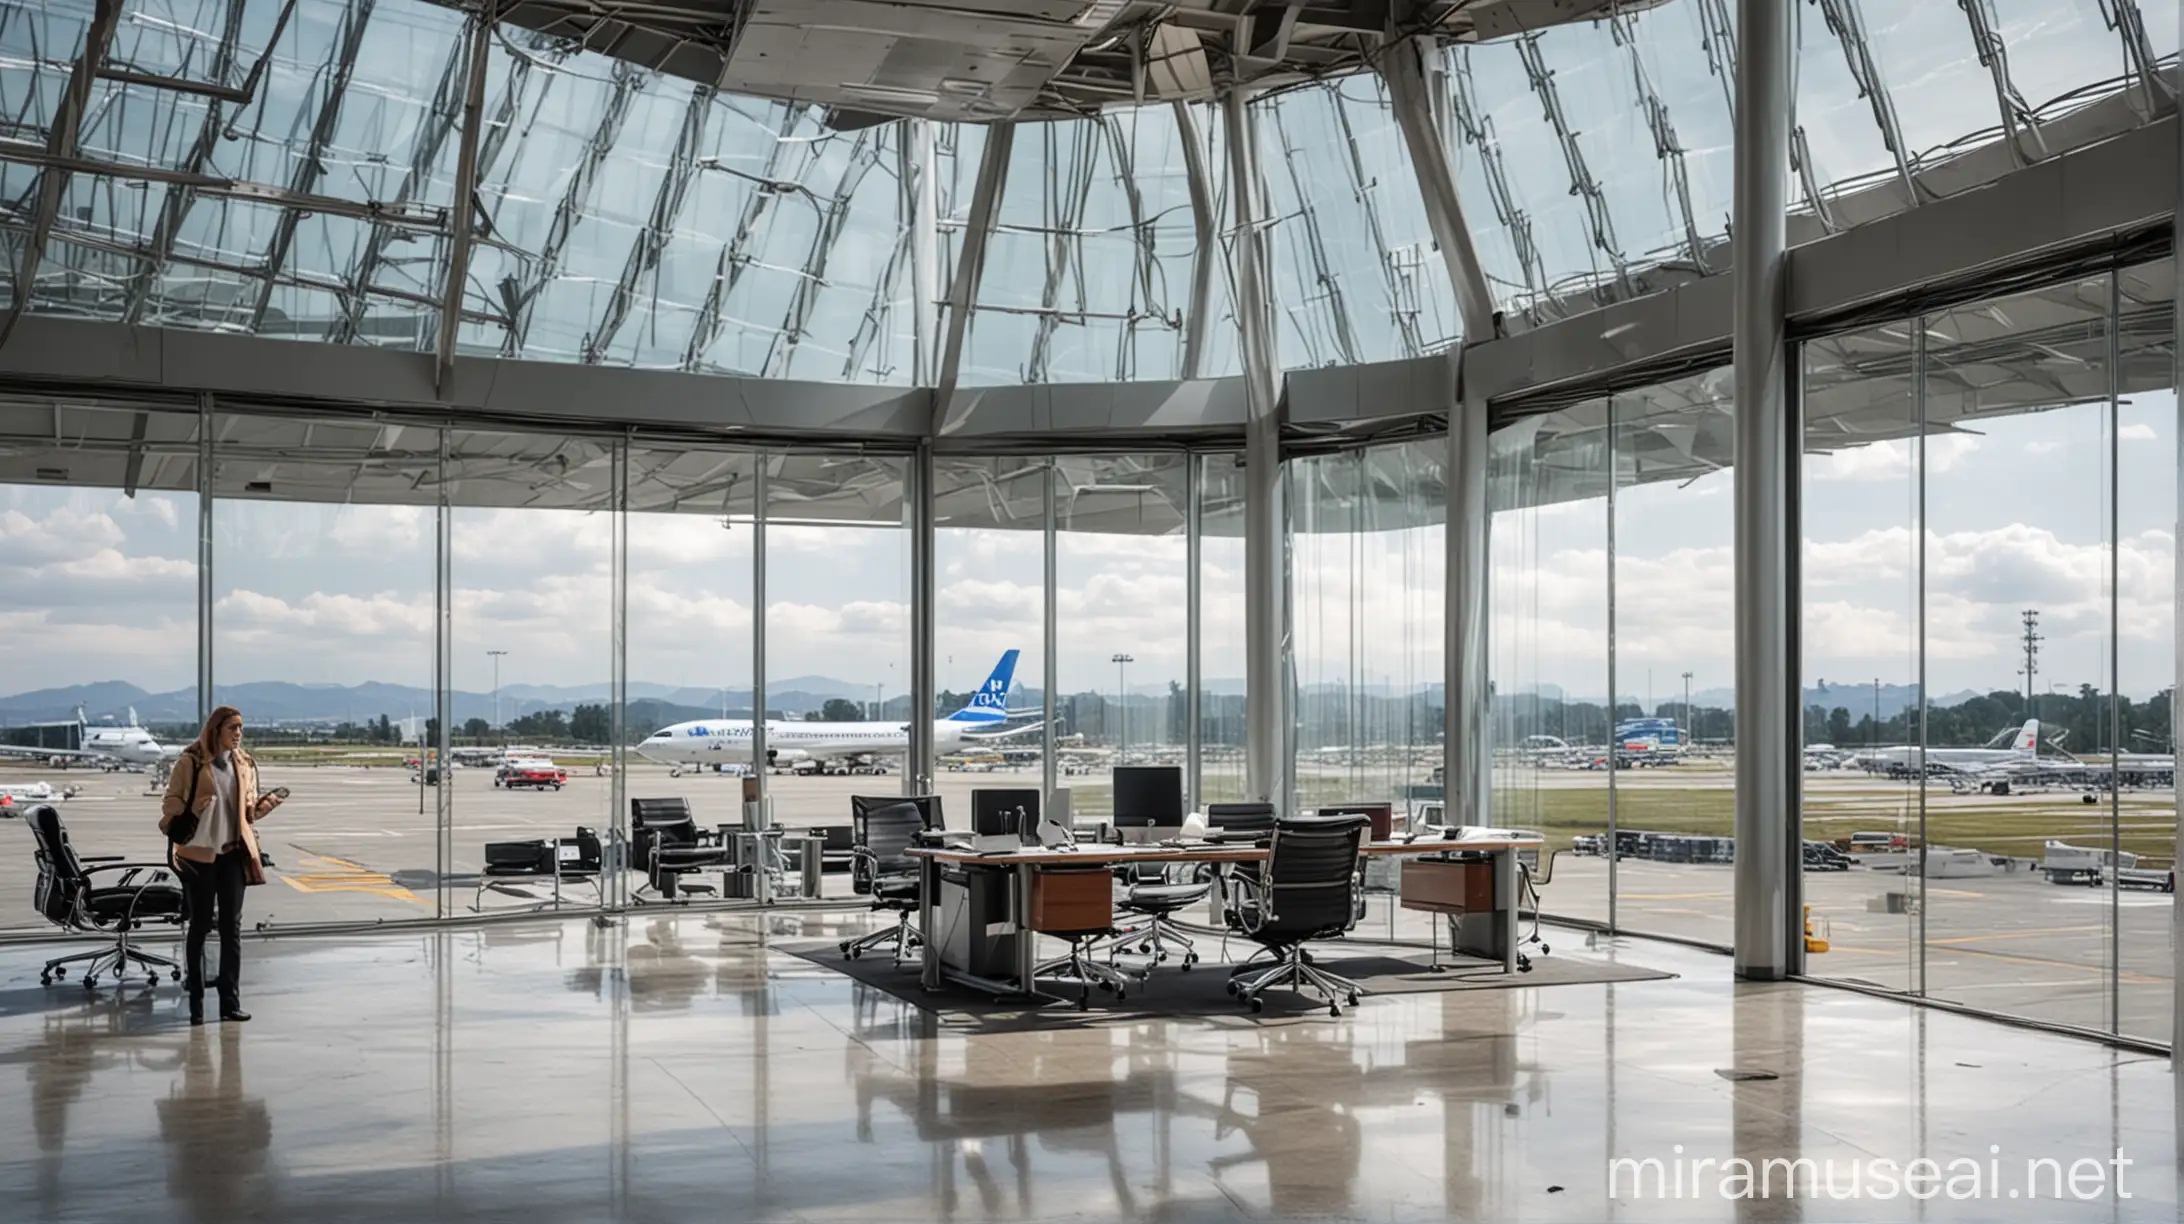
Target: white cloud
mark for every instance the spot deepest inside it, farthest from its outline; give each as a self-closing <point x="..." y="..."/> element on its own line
<point x="2139" y="432"/>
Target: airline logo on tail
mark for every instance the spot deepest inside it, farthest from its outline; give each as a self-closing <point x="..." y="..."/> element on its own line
<point x="2028" y="737"/>
<point x="990" y="704"/>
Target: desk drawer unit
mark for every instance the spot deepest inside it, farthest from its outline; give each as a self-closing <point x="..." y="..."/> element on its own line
<point x="1443" y="887"/>
<point x="1073" y="899"/>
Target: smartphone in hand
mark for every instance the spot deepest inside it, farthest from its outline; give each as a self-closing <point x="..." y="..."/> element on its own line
<point x="268" y="800"/>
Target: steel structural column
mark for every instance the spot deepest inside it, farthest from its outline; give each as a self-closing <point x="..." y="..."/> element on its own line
<point x="1467" y="727"/>
<point x="204" y="557"/>
<point x="617" y="891"/>
<point x="1049" y="635"/>
<point x="758" y="627"/>
<point x="460" y="223"/>
<point x="2176" y="691"/>
<point x="1266" y="602"/>
<point x="993" y="173"/>
<point x="1194" y="747"/>
<point x="1412" y="93"/>
<point x="1202" y="227"/>
<point x="924" y="252"/>
<point x="443" y="682"/>
<point x="1767" y="947"/>
<point x="917" y="774"/>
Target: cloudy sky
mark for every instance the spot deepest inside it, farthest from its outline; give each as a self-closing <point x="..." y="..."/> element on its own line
<point x="101" y="586"/>
<point x="2018" y="518"/>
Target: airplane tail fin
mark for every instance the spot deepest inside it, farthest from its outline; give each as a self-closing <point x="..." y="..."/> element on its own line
<point x="2028" y="736"/>
<point x="990" y="704"/>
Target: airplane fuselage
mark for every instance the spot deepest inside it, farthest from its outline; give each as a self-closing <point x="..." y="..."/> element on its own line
<point x="129" y="745"/>
<point x="710" y="740"/>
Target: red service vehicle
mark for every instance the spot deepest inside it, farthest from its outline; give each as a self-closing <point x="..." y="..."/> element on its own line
<point x="533" y="772"/>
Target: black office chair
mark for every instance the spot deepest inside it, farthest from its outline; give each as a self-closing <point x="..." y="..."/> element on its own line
<point x="1148" y="908"/>
<point x="884" y="871"/>
<point x="1077" y="966"/>
<point x="1311" y="891"/>
<point x="1237" y="822"/>
<point x="670" y="846"/>
<point x="559" y="861"/>
<point x="146" y="894"/>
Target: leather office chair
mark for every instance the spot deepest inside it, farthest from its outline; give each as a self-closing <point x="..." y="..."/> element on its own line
<point x="1311" y="891"/>
<point x="575" y="860"/>
<point x="1242" y="822"/>
<point x="146" y="894"/>
<point x="1078" y="966"/>
<point x="1148" y="908"/>
<point x="670" y="845"/>
<point x="883" y="870"/>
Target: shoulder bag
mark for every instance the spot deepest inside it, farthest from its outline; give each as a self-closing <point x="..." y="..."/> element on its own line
<point x="183" y="826"/>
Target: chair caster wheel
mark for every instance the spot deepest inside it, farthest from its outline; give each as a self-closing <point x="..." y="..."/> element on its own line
<point x="61" y="972"/>
<point x="1353" y="998"/>
<point x="90" y="982"/>
<point x="45" y="979"/>
<point x="1232" y="987"/>
<point x="1121" y="994"/>
<point x="1544" y="949"/>
<point x="1334" y="1011"/>
<point x="1189" y="959"/>
<point x="174" y="975"/>
<point x="1084" y="1005"/>
<point x="1257" y="1006"/>
<point x="152" y="980"/>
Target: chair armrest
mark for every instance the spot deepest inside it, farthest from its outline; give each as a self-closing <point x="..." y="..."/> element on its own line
<point x="99" y="858"/>
<point x="119" y="866"/>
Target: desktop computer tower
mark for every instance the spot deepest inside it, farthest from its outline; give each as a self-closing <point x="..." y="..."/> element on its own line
<point x="971" y="909"/>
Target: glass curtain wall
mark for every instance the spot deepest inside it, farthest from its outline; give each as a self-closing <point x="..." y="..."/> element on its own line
<point x="989" y="626"/>
<point x="1612" y="575"/>
<point x="1121" y="634"/>
<point x="531" y="699"/>
<point x="1221" y="666"/>
<point x="1368" y="558"/>
<point x="1550" y="491"/>
<point x="98" y="556"/>
<point x="837" y="629"/>
<point x="1989" y="512"/>
<point x="324" y="609"/>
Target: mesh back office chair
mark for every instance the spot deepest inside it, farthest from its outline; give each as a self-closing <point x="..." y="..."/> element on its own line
<point x="1311" y="891"/>
<point x="65" y="893"/>
<point x="883" y="832"/>
<point x="670" y="845"/>
<point x="1239" y="822"/>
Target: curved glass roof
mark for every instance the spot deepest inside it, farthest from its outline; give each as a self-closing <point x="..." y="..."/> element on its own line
<point x="287" y="168"/>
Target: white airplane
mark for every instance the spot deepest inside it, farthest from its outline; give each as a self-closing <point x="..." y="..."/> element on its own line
<point x="34" y="792"/>
<point x="710" y="741"/>
<point x="111" y="747"/>
<point x="2024" y="746"/>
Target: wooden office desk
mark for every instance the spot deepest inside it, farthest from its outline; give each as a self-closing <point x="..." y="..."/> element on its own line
<point x="1024" y="864"/>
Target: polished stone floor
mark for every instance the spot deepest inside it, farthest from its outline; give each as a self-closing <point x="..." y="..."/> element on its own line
<point x="684" y="1068"/>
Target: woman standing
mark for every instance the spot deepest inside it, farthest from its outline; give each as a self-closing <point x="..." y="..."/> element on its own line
<point x="217" y="780"/>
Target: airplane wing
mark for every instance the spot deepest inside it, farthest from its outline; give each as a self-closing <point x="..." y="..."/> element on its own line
<point x="24" y="752"/>
<point x="1011" y="733"/>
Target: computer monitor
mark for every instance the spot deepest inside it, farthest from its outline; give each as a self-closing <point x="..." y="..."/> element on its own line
<point x="1382" y="816"/>
<point x="1002" y="818"/>
<point x="1148" y="796"/>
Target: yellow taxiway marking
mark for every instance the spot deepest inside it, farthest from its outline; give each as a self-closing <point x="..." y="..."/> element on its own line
<point x="324" y="873"/>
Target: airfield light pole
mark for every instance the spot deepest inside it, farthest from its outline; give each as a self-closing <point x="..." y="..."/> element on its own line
<point x="1122" y="698"/>
<point x="1690" y="725"/>
<point x="2032" y="640"/>
<point x="496" y="655"/>
<point x="1875" y="738"/>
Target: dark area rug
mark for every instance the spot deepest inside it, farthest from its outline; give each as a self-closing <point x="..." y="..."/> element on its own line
<point x="1202" y="990"/>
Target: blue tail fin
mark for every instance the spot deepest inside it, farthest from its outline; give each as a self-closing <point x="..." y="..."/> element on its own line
<point x="990" y="704"/>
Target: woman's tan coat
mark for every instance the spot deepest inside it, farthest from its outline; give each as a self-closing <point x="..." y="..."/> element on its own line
<point x="187" y="769"/>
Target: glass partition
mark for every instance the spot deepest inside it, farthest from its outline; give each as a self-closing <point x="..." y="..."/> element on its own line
<point x="323" y="614"/>
<point x="98" y="679"/>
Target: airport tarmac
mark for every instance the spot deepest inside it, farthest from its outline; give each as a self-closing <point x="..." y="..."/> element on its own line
<point x="353" y="847"/>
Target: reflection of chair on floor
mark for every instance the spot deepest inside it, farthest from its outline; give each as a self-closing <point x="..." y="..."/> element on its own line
<point x="568" y="860"/>
<point x="669" y="846"/>
<point x="146" y="893"/>
<point x="1311" y="892"/>
<point x="883" y="830"/>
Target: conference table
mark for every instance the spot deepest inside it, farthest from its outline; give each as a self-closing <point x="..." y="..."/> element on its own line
<point x="1025" y="864"/>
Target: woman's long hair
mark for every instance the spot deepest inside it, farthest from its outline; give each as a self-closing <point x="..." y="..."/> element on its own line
<point x="208" y="739"/>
